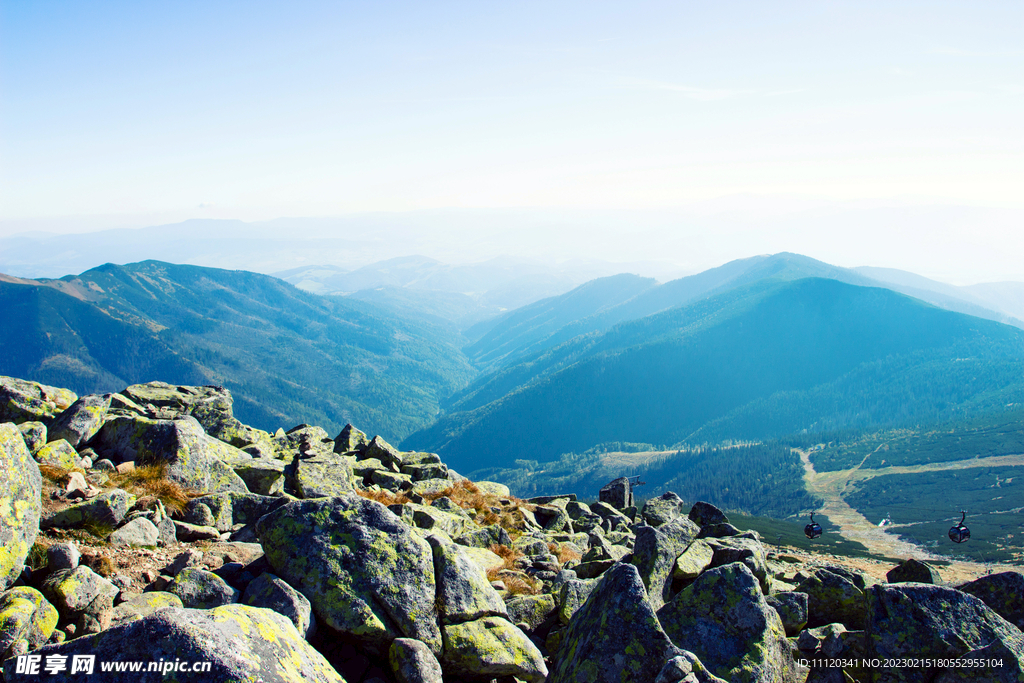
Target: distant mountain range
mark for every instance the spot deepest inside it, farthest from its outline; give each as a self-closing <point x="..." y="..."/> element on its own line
<point x="288" y="356"/>
<point x="762" y="359"/>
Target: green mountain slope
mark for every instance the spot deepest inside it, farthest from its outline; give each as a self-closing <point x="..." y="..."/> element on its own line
<point x="757" y="361"/>
<point x="287" y="356"/>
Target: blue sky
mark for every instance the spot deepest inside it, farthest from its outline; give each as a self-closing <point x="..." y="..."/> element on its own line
<point x="129" y="113"/>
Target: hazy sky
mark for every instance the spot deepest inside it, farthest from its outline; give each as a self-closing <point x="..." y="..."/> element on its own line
<point x="137" y="113"/>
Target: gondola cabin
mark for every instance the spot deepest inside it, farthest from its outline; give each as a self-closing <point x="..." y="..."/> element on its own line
<point x="960" y="533"/>
<point x="812" y="530"/>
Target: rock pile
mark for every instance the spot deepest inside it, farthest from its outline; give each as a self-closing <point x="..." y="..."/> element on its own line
<point x="352" y="561"/>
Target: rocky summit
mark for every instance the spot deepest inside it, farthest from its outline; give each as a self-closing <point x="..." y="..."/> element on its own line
<point x="149" y="535"/>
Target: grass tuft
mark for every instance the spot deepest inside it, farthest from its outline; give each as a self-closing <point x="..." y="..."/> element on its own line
<point x="151" y="480"/>
<point x="384" y="497"/>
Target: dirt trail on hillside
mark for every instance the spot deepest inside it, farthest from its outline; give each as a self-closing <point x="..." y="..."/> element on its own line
<point x="853" y="526"/>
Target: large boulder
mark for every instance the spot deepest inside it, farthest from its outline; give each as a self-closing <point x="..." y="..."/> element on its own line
<point x="615" y="636"/>
<point x="350" y="440"/>
<point x="704" y="514"/>
<point x="143" y="605"/>
<point x="236" y="642"/>
<point x="104" y="512"/>
<point x="210" y="405"/>
<point x="201" y="589"/>
<point x="193" y="458"/>
<point x="463" y="591"/>
<point x="271" y="592"/>
<point x="749" y="551"/>
<point x="26" y="618"/>
<point x="412" y="662"/>
<point x="322" y="476"/>
<point x="20" y="505"/>
<point x="617" y="493"/>
<point x="59" y="453"/>
<point x="73" y="591"/>
<point x="723" y="618"/>
<point x="913" y="571"/>
<point x="832" y="598"/>
<point x="666" y="507"/>
<point x="490" y="647"/>
<point x="81" y="421"/>
<point x="365" y="572"/>
<point x="1003" y="592"/>
<point x="655" y="552"/>
<point x="24" y="401"/>
<point x="910" y="620"/>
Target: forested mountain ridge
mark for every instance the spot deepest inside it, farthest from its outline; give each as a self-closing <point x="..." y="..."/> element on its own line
<point x="768" y="359"/>
<point x="287" y="355"/>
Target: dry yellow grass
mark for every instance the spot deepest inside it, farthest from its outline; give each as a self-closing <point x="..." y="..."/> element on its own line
<point x="515" y="581"/>
<point x="563" y="553"/>
<point x="56" y="473"/>
<point x="486" y="509"/>
<point x="384" y="497"/>
<point x="151" y="480"/>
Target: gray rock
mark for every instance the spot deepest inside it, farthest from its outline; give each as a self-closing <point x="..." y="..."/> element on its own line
<point x="143" y="605"/>
<point x="490" y="647"/>
<point x="59" y="453"/>
<point x="190" y="533"/>
<point x="72" y="591"/>
<point x="77" y="486"/>
<point x="322" y="476"/>
<point x="746" y="550"/>
<point x="391" y="481"/>
<point x="381" y="450"/>
<point x="201" y="589"/>
<point x="695" y="559"/>
<point x="265" y="476"/>
<point x="705" y="513"/>
<point x="138" y="533"/>
<point x="62" y="556"/>
<point x="106" y="510"/>
<point x="572" y="595"/>
<point x="655" y="553"/>
<point x="664" y="508"/>
<point x="19" y="516"/>
<point x="833" y="599"/>
<point x="614" y="636"/>
<point x="910" y="619"/>
<point x="271" y="592"/>
<point x="191" y="557"/>
<point x="534" y="611"/>
<point x="617" y="493"/>
<point x="425" y="471"/>
<point x="81" y="421"/>
<point x="1003" y="592"/>
<point x="241" y="643"/>
<point x="23" y="401"/>
<point x="413" y="662"/>
<point x="364" y="571"/>
<point x="350" y="439"/>
<point x="722" y="617"/>
<point x="193" y="458"/>
<point x="792" y="609"/>
<point x="914" y="571"/>
<point x="463" y="591"/>
<point x="34" y="434"/>
<point x="26" y="621"/>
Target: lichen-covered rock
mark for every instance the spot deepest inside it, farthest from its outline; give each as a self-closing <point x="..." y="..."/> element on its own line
<point x="364" y="571"/>
<point x="833" y="599"/>
<point x="81" y="421"/>
<point x="59" y="453"/>
<point x="1003" y="592"/>
<point x="193" y="458"/>
<point x="413" y="662"/>
<point x="617" y="493"/>
<point x="25" y="616"/>
<point x="143" y="605"/>
<point x="792" y="609"/>
<point x="424" y="471"/>
<point x="138" y="533"/>
<point x="703" y="514"/>
<point x="428" y="517"/>
<point x="655" y="552"/>
<point x="20" y="505"/>
<point x="485" y="537"/>
<point x="532" y="610"/>
<point x="692" y="561"/>
<point x="491" y="646"/>
<point x="106" y="510"/>
<point x="463" y="591"/>
<point x="71" y="591"/>
<point x="1000" y="662"/>
<point x="723" y="618"/>
<point x="664" y="508"/>
<point x="493" y="488"/>
<point x="241" y="643"/>
<point x="381" y="450"/>
<point x="572" y="595"/>
<point x="614" y="636"/>
<point x="913" y="571"/>
<point x="322" y="476"/>
<point x="264" y="476"/>
<point x="201" y="589"/>
<point x="34" y="434"/>
<point x="391" y="481"/>
<point x="24" y="401"/>
<point x="350" y="439"/>
<point x="911" y="619"/>
<point x="749" y="551"/>
<point x="271" y="592"/>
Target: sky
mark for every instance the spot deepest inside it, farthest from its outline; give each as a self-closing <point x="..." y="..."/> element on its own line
<point x="745" y="127"/>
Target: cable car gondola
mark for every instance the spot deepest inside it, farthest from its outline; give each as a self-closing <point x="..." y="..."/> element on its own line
<point x="960" y="533"/>
<point x="813" y="530"/>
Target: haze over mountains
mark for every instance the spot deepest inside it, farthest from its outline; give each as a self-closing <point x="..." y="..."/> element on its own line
<point x="418" y="350"/>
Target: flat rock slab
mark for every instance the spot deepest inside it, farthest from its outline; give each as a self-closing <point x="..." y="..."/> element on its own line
<point x="21" y="505"/>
